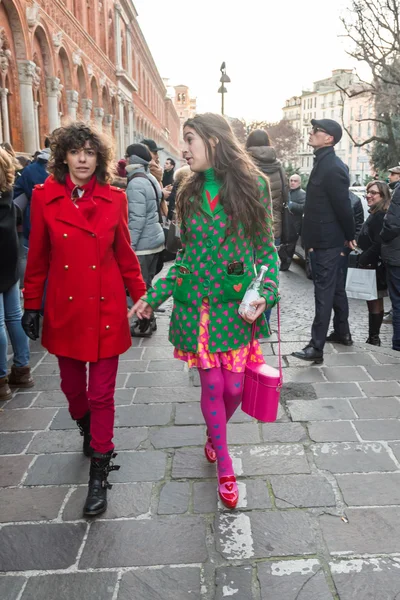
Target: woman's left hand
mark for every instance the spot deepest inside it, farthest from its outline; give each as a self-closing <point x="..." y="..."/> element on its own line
<point x="260" y="305"/>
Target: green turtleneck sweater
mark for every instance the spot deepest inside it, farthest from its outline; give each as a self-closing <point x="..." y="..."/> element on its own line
<point x="211" y="188"/>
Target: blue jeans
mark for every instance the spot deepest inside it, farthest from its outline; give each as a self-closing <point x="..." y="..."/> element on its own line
<point x="10" y="316"/>
<point x="393" y="279"/>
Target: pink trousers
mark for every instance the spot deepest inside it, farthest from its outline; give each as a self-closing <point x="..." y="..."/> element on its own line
<point x="94" y="394"/>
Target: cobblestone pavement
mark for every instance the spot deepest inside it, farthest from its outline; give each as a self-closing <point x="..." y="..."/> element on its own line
<point x="319" y="515"/>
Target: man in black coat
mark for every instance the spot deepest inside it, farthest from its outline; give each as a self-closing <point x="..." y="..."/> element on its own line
<point x="390" y="249"/>
<point x="291" y="221"/>
<point x="328" y="225"/>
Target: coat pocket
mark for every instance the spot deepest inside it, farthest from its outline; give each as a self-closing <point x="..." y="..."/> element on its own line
<point x="234" y="286"/>
<point x="182" y="287"/>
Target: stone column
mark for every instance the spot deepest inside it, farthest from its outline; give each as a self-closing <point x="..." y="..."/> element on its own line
<point x="87" y="105"/>
<point x="26" y="73"/>
<point x="72" y="103"/>
<point x="108" y="124"/>
<point x="118" y="38"/>
<point x="129" y="53"/>
<point x="36" y="120"/>
<point x="53" y="91"/>
<point x="99" y="116"/>
<point x="4" y="113"/>
<point x="131" y="124"/>
<point x="121" y="144"/>
<point x="117" y="138"/>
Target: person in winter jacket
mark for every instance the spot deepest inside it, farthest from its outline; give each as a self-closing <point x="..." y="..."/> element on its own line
<point x="390" y="235"/>
<point x="328" y="225"/>
<point x="32" y="175"/>
<point x="10" y="304"/>
<point x="394" y="178"/>
<point x="80" y="244"/>
<point x="369" y="241"/>
<point x="144" y="197"/>
<point x="295" y="208"/>
<point x="258" y="145"/>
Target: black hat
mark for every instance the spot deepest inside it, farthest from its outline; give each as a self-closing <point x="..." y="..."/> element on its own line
<point x="152" y="146"/>
<point x="331" y="127"/>
<point x="139" y="150"/>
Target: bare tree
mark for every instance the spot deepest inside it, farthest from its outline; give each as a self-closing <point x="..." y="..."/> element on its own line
<point x="373" y="27"/>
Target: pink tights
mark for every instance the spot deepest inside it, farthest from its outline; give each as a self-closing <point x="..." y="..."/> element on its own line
<point x="221" y="393"/>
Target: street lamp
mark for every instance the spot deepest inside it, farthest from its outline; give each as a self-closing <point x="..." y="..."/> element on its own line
<point x="222" y="90"/>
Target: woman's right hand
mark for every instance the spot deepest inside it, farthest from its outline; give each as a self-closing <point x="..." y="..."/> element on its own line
<point x="141" y="309"/>
<point x="30" y="323"/>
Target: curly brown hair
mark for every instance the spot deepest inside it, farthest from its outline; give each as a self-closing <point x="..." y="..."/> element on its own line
<point x="240" y="192"/>
<point x="74" y="137"/>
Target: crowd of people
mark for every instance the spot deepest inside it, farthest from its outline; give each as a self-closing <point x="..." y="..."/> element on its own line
<point x="86" y="242"/>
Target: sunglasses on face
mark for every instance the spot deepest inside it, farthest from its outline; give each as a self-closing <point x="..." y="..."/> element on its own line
<point x="317" y="129"/>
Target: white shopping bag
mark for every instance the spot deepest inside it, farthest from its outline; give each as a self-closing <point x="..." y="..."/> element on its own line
<point x="361" y="284"/>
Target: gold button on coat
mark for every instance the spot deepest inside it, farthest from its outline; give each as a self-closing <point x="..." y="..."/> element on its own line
<point x="66" y="267"/>
<point x="70" y="298"/>
<point x="93" y="267"/>
<point x="107" y="327"/>
<point x="65" y="235"/>
<point x="102" y="298"/>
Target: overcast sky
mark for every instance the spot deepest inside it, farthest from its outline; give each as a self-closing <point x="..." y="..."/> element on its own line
<point x="273" y="49"/>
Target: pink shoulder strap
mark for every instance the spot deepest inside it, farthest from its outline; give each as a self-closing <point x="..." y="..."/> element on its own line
<point x="253" y="333"/>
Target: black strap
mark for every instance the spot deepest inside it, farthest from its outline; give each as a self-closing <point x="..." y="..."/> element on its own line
<point x="144" y="176"/>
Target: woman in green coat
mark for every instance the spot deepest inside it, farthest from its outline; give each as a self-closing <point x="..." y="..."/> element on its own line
<point x="226" y="223"/>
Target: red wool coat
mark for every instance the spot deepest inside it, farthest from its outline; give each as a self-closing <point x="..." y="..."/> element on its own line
<point x="87" y="266"/>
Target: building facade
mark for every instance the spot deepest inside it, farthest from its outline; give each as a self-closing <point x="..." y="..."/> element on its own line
<point x="326" y="101"/>
<point x="62" y="60"/>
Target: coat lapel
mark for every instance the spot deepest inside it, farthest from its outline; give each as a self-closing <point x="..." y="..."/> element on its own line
<point x="69" y="213"/>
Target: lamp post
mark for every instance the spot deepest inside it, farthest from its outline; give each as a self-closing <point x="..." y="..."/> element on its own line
<point x="222" y="90"/>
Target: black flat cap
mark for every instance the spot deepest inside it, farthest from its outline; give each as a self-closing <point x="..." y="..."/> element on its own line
<point x="331" y="127"/>
<point x="151" y="145"/>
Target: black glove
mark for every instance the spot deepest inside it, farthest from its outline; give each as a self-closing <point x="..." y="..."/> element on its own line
<point x="30" y="323"/>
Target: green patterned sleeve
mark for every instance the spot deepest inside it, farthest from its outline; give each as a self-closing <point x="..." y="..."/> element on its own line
<point x="164" y="286"/>
<point x="265" y="250"/>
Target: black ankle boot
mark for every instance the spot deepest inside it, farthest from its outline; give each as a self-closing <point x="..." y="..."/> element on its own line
<point x="84" y="428"/>
<point x="100" y="467"/>
<point x="375" y="322"/>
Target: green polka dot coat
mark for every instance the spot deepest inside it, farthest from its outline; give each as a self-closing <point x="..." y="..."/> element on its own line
<point x="207" y="250"/>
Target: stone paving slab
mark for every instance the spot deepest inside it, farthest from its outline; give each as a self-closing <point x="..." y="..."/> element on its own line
<point x="166" y="584"/>
<point x="13" y="469"/>
<point x="30" y="504"/>
<point x="293" y="580"/>
<point x="369" y="531"/>
<point x="300" y="491"/>
<point x="236" y="582"/>
<point x="14" y="443"/>
<point x="40" y="547"/>
<point x="75" y="585"/>
<point x="163" y="541"/>
<point x="367" y="579"/>
<point x="10" y="587"/>
<point x="372" y="489"/>
<point x="353" y="457"/>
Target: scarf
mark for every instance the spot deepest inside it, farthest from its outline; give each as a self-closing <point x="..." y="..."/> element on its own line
<point x="82" y="196"/>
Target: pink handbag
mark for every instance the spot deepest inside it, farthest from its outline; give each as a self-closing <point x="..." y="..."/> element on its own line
<point x="262" y="385"/>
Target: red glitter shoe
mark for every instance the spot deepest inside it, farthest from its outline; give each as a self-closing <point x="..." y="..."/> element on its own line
<point x="228" y="491"/>
<point x="209" y="451"/>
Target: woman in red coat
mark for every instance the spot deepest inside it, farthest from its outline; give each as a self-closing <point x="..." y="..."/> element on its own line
<point x="80" y="245"/>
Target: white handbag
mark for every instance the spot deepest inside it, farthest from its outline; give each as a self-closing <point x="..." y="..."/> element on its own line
<point x="361" y="284"/>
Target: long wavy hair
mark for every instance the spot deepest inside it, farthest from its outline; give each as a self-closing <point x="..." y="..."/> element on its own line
<point x="74" y="137"/>
<point x="240" y="192"/>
